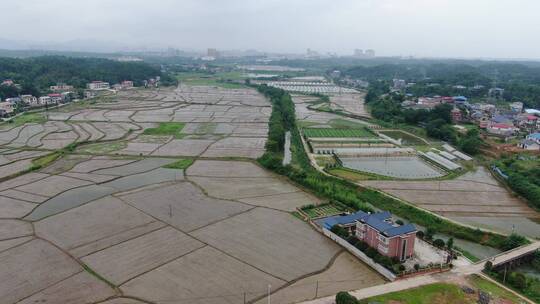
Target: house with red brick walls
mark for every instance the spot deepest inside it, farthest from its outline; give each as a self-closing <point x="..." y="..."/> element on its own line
<point x="379" y="231"/>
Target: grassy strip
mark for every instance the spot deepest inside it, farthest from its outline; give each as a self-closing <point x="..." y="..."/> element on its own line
<point x="427" y="294"/>
<point x="166" y="128"/>
<point x="340" y="133"/>
<point x="349" y="193"/>
<point x="98" y="276"/>
<point x="467" y="254"/>
<point x="180" y="164"/>
<point x="493" y="289"/>
<point x="44" y="161"/>
<point x="25" y="118"/>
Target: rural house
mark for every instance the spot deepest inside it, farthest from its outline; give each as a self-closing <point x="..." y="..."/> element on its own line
<point x="379" y="232"/>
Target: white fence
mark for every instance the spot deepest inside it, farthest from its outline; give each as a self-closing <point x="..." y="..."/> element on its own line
<point x="390" y="139"/>
<point x="359" y="254"/>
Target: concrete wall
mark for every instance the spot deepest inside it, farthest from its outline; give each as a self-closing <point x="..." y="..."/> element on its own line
<point x="359" y="254"/>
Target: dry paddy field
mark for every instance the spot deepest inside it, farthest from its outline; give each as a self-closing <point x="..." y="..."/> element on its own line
<point x="323" y="119"/>
<point x="475" y="198"/>
<point x="119" y="228"/>
<point x="351" y="102"/>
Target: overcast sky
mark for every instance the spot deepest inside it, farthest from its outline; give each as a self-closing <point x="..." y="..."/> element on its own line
<point x="429" y="28"/>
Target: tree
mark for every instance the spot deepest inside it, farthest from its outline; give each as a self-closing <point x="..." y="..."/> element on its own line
<point x="340" y="231"/>
<point x="513" y="241"/>
<point x="429" y="233"/>
<point x="520" y="281"/>
<point x="438" y="243"/>
<point x="471" y="142"/>
<point x="450" y="243"/>
<point x="488" y="266"/>
<point x="345" y="298"/>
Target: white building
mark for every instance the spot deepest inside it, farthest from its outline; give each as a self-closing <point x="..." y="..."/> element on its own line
<point x="6" y="108"/>
<point x="61" y="87"/>
<point x="45" y="100"/>
<point x="98" y="85"/>
<point x="29" y="100"/>
<point x="529" y="144"/>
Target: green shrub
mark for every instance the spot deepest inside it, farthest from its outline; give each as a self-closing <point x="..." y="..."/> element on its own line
<point x="362" y="246"/>
<point x="371" y="252"/>
<point x="340" y="231"/>
<point x="345" y="298"/>
<point x="438" y="243"/>
<point x="488" y="266"/>
<point x="513" y="241"/>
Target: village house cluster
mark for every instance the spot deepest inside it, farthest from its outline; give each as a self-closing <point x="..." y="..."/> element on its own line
<point x="61" y="94"/>
<point x="509" y="121"/>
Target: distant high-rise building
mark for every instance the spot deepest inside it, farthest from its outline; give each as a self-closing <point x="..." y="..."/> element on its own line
<point x="311" y="53"/>
<point x="212" y="53"/>
<point x="369" y="54"/>
<point x="358" y="53"/>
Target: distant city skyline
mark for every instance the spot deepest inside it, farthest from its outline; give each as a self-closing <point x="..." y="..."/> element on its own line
<point x="420" y="28"/>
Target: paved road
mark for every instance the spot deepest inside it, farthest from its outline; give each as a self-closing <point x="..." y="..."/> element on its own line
<point x="287" y="149"/>
<point x="457" y="272"/>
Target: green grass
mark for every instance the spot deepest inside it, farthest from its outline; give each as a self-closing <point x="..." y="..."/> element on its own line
<point x="103" y="148"/>
<point x="218" y="79"/>
<point x="26" y="118"/>
<point x="493" y="289"/>
<point x="354" y="175"/>
<point x="445" y="293"/>
<point x="440" y="293"/>
<point x="306" y="124"/>
<point x="44" y="161"/>
<point x="467" y="254"/>
<point x="180" y="164"/>
<point x="340" y="123"/>
<point x="325" y="161"/>
<point x="167" y="128"/>
<point x="324" y="210"/>
<point x="97" y="275"/>
<point x="341" y="133"/>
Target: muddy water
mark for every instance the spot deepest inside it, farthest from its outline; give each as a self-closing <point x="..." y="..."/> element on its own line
<point x="82" y="195"/>
<point x="521" y="225"/>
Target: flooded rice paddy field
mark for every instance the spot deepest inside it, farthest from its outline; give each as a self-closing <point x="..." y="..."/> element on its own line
<point x="205" y="234"/>
<point x="475" y="198"/>
<point x="402" y="167"/>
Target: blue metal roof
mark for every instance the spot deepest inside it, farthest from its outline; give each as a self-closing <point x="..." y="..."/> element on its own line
<point x="375" y="220"/>
<point x="403" y="229"/>
<point x="343" y="219"/>
<point x="534" y="136"/>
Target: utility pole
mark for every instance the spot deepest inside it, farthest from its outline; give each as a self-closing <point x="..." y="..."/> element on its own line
<point x="245" y="297"/>
<point x="504" y="277"/>
<point x="269" y="288"/>
<point x="170" y="211"/>
<point x="317" y="290"/>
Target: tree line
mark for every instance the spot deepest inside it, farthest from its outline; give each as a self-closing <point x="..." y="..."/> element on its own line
<point x="36" y="74"/>
<point x="520" y="81"/>
<point x="523" y="176"/>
